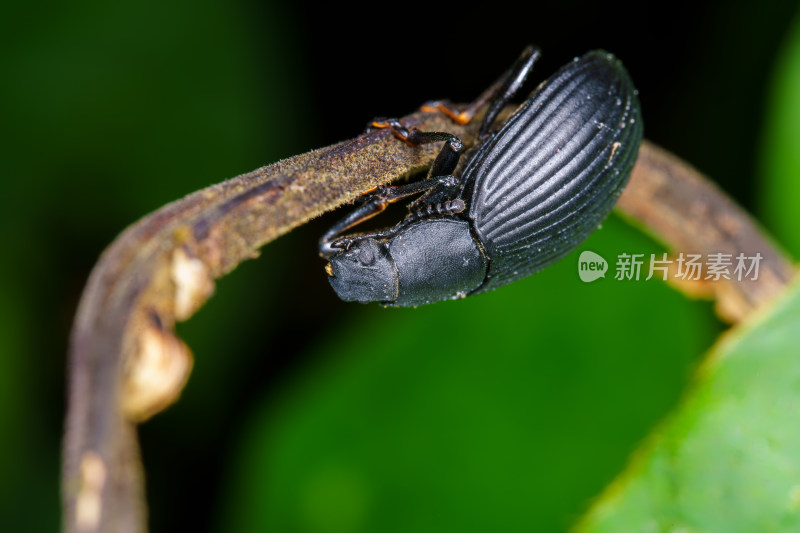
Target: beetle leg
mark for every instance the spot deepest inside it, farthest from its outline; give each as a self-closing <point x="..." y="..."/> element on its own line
<point x="459" y="116"/>
<point x="445" y="188"/>
<point x="447" y="160"/>
<point x="511" y="83"/>
<point x="359" y="215"/>
<point x="392" y="124"/>
<point x="498" y="94"/>
<point x="448" y="157"/>
<point x="375" y="202"/>
<point x="464" y="116"/>
<point x="344" y="243"/>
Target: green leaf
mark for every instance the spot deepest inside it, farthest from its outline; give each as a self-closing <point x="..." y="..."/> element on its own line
<point x="728" y="459"/>
<point x="780" y="167"/>
<point x="502" y="412"/>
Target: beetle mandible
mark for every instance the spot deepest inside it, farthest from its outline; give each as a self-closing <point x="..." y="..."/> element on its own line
<point x="531" y="193"/>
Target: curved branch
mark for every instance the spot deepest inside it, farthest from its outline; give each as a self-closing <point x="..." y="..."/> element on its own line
<point x="126" y="364"/>
<point x="684" y="210"/>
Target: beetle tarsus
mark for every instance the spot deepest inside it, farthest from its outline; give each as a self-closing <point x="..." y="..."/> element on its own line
<point x="393" y="125"/>
<point x="462" y="117"/>
<point x="498" y="94"/>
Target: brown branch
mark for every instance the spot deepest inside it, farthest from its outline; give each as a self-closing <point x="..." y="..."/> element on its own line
<point x="688" y="213"/>
<point x="126" y="364"/>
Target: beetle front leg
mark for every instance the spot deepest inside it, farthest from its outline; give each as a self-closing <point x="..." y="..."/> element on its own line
<point x="375" y="202"/>
<point x="362" y="213"/>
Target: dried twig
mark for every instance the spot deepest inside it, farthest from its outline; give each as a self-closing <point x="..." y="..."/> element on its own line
<point x="684" y="210"/>
<point x="126" y="363"/>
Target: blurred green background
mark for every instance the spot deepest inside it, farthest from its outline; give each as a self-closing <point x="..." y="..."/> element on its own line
<point x="505" y="412"/>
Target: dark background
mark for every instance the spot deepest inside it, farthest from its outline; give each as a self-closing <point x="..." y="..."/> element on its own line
<point x="112" y="110"/>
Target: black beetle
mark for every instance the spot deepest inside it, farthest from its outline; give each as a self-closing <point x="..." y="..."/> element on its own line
<point x="530" y="194"/>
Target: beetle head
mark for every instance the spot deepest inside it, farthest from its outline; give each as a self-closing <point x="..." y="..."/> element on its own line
<point x="365" y="272"/>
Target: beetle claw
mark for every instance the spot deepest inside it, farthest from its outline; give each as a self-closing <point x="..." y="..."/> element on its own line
<point x="342" y="244"/>
<point x="393" y="125"/>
